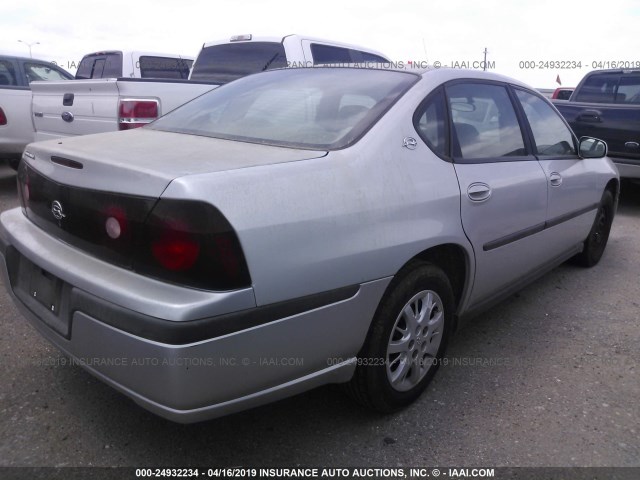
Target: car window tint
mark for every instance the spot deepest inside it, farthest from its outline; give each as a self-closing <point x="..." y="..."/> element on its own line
<point x="39" y="71"/>
<point x="598" y="88"/>
<point x="629" y="89"/>
<point x="164" y="67"/>
<point x="229" y="61"/>
<point x="7" y="74"/>
<point x="112" y="66"/>
<point x="484" y="122"/>
<point x="84" y="69"/>
<point x="430" y="122"/>
<point x="103" y="65"/>
<point x="328" y="54"/>
<point x="98" y="68"/>
<point x="371" y="57"/>
<point x="550" y="133"/>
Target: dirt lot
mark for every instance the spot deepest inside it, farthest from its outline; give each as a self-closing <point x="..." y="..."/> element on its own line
<point x="548" y="378"/>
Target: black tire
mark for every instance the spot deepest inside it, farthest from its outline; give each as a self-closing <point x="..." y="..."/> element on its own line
<point x="371" y="384"/>
<point x="596" y="242"/>
<point x="14" y="163"/>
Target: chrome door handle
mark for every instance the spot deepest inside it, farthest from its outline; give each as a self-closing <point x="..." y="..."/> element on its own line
<point x="555" y="179"/>
<point x="479" y="192"/>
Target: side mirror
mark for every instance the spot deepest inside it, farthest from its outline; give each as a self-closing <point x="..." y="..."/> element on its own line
<point x="589" y="147"/>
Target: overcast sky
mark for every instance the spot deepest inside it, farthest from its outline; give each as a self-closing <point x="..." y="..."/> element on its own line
<point x="445" y="31"/>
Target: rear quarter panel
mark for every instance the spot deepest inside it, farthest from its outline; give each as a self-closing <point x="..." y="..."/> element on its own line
<point x="354" y="216"/>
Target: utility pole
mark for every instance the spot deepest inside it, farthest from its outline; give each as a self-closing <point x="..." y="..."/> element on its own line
<point x="484" y="65"/>
<point x="29" y="45"/>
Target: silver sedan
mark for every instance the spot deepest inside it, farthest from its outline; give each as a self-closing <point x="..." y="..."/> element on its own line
<point x="296" y="228"/>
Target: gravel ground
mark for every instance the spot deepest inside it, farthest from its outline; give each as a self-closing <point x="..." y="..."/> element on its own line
<point x="548" y="378"/>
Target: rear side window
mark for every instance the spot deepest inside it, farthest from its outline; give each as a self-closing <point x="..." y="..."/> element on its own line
<point x="430" y="121"/>
<point x="230" y="61"/>
<point x="164" y="67"/>
<point x="328" y="54"/>
<point x="106" y="65"/>
<point x="484" y="122"/>
<point x="551" y="135"/>
<point x="629" y="90"/>
<point x="7" y="74"/>
<point x="371" y="57"/>
<point x="598" y="88"/>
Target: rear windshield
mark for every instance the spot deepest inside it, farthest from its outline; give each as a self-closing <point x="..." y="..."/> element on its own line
<point x="230" y="61"/>
<point x="164" y="67"/>
<point x="100" y="65"/>
<point x="319" y="108"/>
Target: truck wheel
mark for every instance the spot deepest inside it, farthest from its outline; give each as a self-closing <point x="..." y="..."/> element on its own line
<point x="14" y="163"/>
<point x="596" y="242"/>
<point x="406" y="341"/>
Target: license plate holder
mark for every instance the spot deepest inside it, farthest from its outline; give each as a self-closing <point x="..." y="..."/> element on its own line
<point x="45" y="288"/>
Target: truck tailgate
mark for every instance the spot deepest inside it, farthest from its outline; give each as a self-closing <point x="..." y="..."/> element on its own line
<point x="62" y="109"/>
<point x="82" y="107"/>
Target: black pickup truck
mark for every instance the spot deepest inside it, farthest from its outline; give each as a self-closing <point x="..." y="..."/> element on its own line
<point x="606" y="105"/>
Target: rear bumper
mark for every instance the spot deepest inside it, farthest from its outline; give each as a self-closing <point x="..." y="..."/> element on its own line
<point x="177" y="368"/>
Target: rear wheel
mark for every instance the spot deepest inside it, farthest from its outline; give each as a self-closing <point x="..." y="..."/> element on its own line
<point x="596" y="242"/>
<point x="14" y="163"/>
<point x="407" y="339"/>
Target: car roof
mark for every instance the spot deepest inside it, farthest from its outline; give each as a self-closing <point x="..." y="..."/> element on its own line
<point x="28" y="59"/>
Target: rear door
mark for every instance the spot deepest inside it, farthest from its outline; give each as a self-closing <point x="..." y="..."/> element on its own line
<point x="503" y="188"/>
<point x="573" y="196"/>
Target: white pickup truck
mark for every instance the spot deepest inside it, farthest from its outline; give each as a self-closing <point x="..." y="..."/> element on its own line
<point x="16" y="127"/>
<point x="102" y="105"/>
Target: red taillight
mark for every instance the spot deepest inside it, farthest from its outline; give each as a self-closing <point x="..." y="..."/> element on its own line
<point x="191" y="243"/>
<point x="3" y="117"/>
<point x="137" y="113"/>
<point x="176" y="250"/>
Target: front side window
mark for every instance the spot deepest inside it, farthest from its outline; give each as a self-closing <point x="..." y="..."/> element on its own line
<point x="550" y="133"/>
<point x="323" y="108"/>
<point x="484" y="122"/>
<point x="40" y="71"/>
<point x="430" y="122"/>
